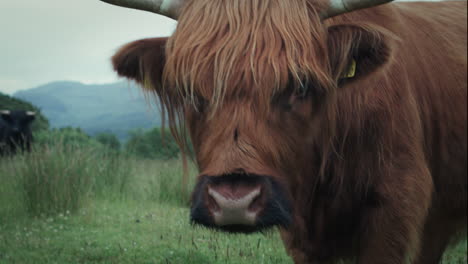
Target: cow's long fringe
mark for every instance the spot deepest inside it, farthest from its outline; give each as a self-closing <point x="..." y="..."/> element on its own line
<point x="239" y="49"/>
<point x="224" y="50"/>
<point x="228" y="48"/>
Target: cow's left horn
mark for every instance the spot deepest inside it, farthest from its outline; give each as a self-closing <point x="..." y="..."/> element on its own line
<point x="338" y="7"/>
<point x="30" y="113"/>
<point x="169" y="8"/>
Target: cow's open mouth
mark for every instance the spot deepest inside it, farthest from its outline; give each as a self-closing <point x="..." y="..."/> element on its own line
<point x="240" y="203"/>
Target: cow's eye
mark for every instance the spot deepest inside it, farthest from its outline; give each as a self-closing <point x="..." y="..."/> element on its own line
<point x="200" y="104"/>
<point x="293" y="95"/>
<point x="300" y="93"/>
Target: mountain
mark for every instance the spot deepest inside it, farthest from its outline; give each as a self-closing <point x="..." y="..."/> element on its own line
<point x="116" y="107"/>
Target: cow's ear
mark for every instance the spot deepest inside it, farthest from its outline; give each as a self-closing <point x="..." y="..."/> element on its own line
<point x="141" y="60"/>
<point x="357" y="51"/>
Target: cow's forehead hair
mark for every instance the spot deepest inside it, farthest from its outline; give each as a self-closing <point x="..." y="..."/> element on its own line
<point x="251" y="48"/>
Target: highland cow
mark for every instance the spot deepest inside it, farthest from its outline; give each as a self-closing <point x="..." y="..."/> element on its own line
<point x="342" y="122"/>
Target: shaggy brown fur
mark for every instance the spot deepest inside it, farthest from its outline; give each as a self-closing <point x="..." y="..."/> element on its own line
<point x="375" y="165"/>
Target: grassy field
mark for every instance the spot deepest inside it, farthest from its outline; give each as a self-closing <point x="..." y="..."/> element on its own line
<point x="130" y="233"/>
<point x="111" y="209"/>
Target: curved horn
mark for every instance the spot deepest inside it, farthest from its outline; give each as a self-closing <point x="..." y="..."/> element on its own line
<point x="30" y="113"/>
<point x="338" y="7"/>
<point x="169" y="8"/>
<point x="5" y="112"/>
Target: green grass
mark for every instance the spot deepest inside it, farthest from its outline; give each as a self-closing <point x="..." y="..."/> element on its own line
<point x="131" y="233"/>
<point x="129" y="211"/>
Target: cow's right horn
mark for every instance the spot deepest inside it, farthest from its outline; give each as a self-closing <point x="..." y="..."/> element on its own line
<point x="5" y="112"/>
<point x="169" y="8"/>
<point x="338" y="7"/>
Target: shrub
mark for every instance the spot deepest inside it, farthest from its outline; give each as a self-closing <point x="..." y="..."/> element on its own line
<point x="68" y="136"/>
<point x="151" y="144"/>
<point x="109" y="140"/>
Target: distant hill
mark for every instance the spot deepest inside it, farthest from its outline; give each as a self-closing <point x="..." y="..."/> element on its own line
<point x="116" y="107"/>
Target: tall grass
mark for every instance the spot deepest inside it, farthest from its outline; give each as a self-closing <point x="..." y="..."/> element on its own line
<point x="54" y="181"/>
<point x="161" y="181"/>
<point x="60" y="177"/>
<point x="112" y="174"/>
<point x="11" y="203"/>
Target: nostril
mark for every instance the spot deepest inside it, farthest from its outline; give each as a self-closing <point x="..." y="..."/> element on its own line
<point x="212" y="204"/>
<point x="255" y="205"/>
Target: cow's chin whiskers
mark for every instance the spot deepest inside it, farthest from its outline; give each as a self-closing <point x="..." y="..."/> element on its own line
<point x="236" y="229"/>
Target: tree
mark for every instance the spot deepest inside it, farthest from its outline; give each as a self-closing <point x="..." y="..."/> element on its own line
<point x="150" y="144"/>
<point x="109" y="140"/>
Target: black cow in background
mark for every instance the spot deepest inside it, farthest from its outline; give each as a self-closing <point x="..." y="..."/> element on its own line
<point x="15" y="130"/>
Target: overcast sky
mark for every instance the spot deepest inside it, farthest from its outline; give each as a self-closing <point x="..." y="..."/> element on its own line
<point x="48" y="40"/>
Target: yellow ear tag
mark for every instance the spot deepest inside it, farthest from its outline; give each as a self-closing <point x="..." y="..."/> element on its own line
<point x="351" y="70"/>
